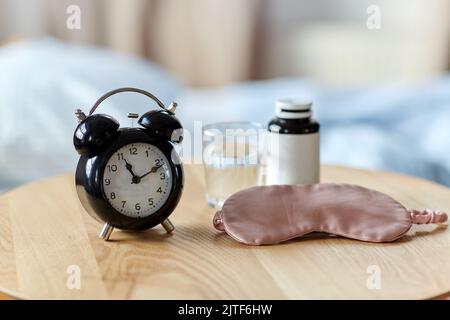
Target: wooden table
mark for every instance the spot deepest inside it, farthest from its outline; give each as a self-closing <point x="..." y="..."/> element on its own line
<point x="44" y="231"/>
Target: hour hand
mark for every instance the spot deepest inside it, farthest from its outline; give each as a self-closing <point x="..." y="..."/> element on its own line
<point x="129" y="167"/>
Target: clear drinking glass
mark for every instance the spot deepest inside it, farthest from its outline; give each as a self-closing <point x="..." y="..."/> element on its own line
<point x="231" y="158"/>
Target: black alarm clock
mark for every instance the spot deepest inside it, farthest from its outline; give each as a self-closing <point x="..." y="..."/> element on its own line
<point x="130" y="178"/>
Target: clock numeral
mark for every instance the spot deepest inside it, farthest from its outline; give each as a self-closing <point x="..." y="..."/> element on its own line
<point x="120" y="156"/>
<point x="159" y="162"/>
<point x="133" y="151"/>
<point x="137" y="206"/>
<point x="150" y="201"/>
<point x="113" y="195"/>
<point x="112" y="168"/>
<point x="107" y="182"/>
<point x="159" y="190"/>
<point x="146" y="152"/>
<point x="123" y="204"/>
<point x="162" y="175"/>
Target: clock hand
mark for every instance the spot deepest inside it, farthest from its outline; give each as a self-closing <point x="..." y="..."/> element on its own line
<point x="129" y="167"/>
<point x="152" y="170"/>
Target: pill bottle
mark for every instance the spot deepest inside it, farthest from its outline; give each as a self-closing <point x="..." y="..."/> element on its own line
<point x="293" y="144"/>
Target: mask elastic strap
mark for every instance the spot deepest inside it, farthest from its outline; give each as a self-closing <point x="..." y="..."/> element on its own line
<point x="427" y="216"/>
<point x="218" y="221"/>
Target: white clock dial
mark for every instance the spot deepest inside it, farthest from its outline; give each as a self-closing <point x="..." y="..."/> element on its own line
<point x="137" y="180"/>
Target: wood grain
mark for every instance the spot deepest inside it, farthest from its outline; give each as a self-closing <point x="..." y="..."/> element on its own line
<point x="44" y="230"/>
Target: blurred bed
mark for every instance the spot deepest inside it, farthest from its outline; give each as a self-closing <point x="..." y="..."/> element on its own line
<point x="395" y="127"/>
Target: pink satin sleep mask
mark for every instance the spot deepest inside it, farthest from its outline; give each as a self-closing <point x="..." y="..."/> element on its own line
<point x="273" y="214"/>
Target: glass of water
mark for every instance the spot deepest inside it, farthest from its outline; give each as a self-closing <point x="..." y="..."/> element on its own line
<point x="231" y="158"/>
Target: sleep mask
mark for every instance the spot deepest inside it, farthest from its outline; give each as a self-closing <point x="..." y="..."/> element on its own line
<point x="273" y="214"/>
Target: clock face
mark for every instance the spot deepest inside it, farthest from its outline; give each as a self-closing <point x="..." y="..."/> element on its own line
<point x="137" y="180"/>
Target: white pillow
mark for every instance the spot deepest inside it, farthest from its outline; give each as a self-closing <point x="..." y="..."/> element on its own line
<point x="43" y="81"/>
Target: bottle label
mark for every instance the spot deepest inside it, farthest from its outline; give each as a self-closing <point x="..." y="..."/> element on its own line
<point x="292" y="158"/>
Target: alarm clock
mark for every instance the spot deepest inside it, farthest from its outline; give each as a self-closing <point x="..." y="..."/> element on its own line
<point x="130" y="178"/>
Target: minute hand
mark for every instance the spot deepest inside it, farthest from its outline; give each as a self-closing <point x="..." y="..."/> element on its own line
<point x="152" y="170"/>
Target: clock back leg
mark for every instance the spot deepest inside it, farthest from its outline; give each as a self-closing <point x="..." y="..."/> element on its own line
<point x="167" y="225"/>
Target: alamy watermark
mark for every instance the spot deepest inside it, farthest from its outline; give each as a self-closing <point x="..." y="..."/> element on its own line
<point x="73" y="21"/>
<point x="73" y="281"/>
<point x="373" y="21"/>
<point x="242" y="145"/>
<point x="373" y="281"/>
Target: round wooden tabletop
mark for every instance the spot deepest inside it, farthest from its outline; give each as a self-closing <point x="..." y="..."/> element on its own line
<point x="49" y="249"/>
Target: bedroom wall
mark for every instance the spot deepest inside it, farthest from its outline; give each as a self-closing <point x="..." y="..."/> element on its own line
<point x="214" y="42"/>
<point x="330" y="41"/>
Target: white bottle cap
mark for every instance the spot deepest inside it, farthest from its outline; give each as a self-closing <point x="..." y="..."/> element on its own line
<point x="293" y="109"/>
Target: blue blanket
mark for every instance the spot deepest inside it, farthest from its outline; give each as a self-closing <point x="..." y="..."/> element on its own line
<point x="394" y="127"/>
